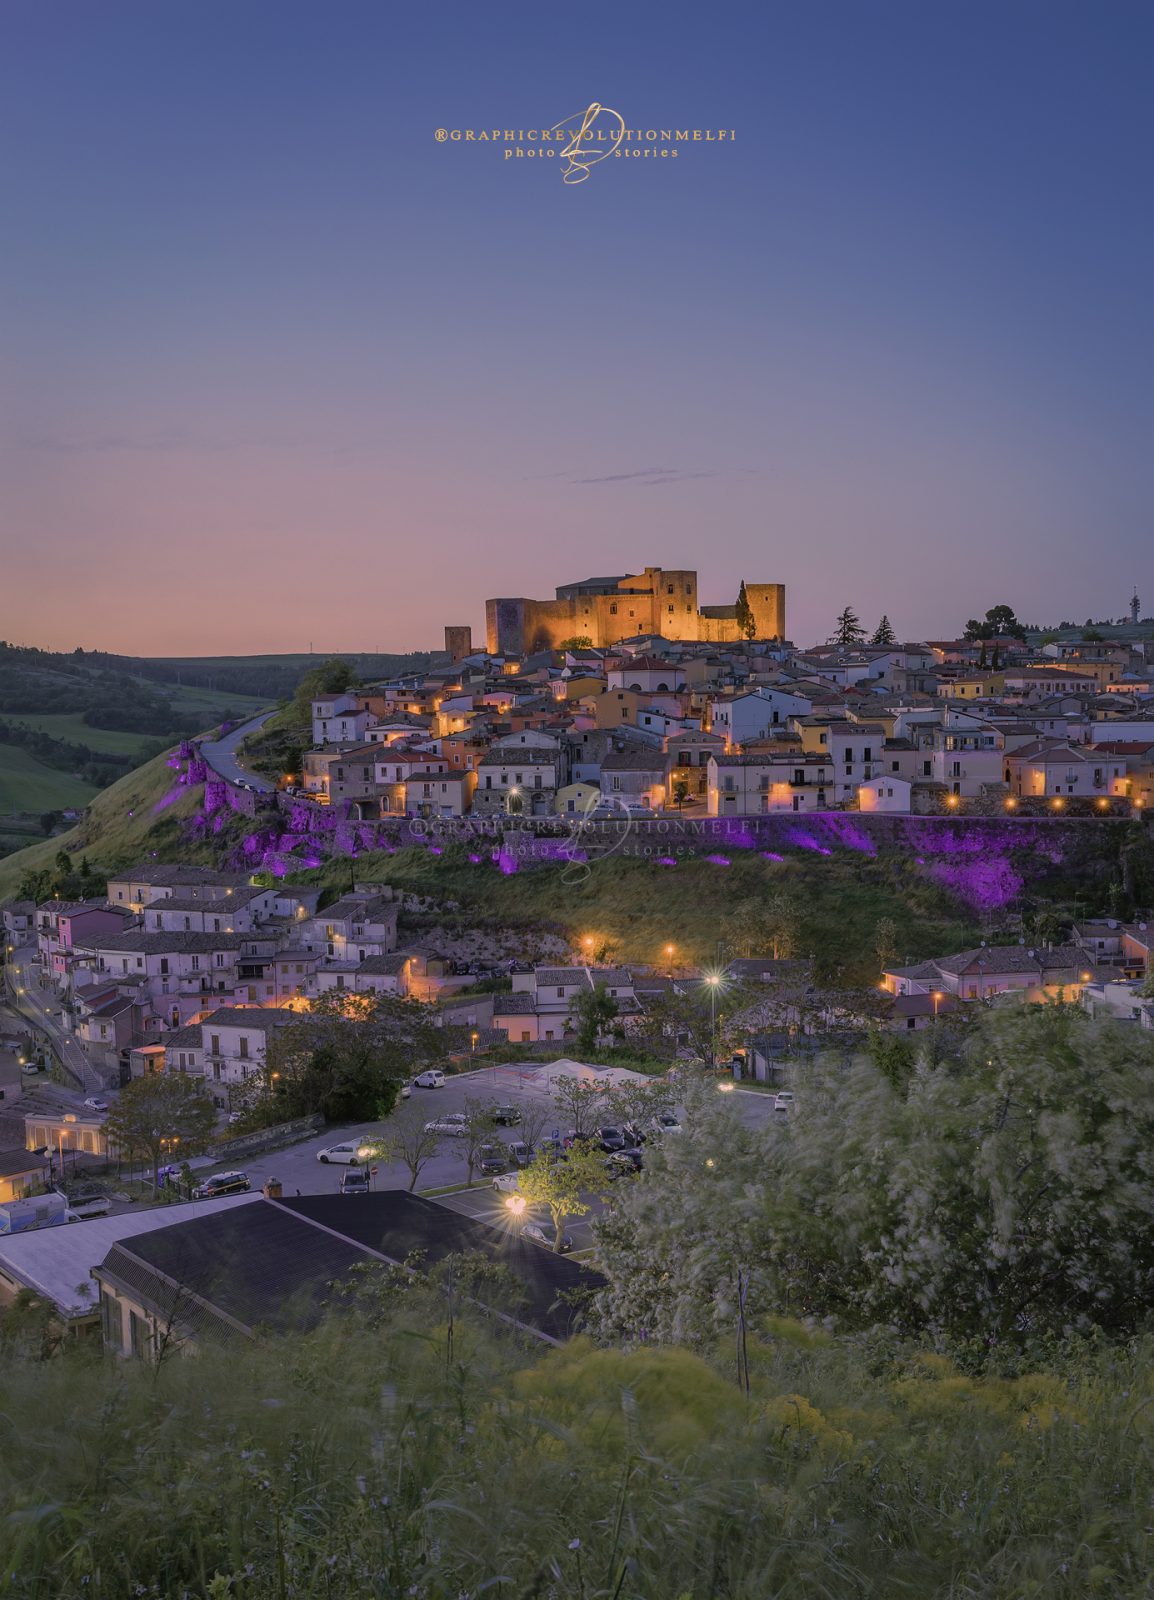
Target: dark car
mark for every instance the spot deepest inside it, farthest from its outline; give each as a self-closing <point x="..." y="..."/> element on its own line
<point x="357" y="1180"/>
<point x="624" y="1163"/>
<point x="492" y="1160"/>
<point x="633" y="1135"/>
<point x="612" y="1140"/>
<point x="506" y="1116"/>
<point x="541" y="1232"/>
<point x="223" y="1183"/>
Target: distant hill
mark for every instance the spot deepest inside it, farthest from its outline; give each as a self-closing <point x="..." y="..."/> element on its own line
<point x="71" y="724"/>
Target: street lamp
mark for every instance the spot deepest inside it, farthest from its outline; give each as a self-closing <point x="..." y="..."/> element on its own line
<point x="474" y="1036"/>
<point x="669" y="957"/>
<point x="938" y="998"/>
<point x="713" y="979"/>
<point x="515" y="1204"/>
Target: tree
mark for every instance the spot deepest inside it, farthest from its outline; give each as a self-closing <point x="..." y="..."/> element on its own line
<point x="997" y="1201"/>
<point x="165" y="1114"/>
<point x="769" y="927"/>
<point x="479" y="1126"/>
<point x="744" y="617"/>
<point x="884" y="633"/>
<point x="998" y="623"/>
<point x="680" y="790"/>
<point x="582" y="1102"/>
<point x="578" y="641"/>
<point x="561" y="1187"/>
<point x="848" y="630"/>
<point x="48" y="821"/>
<point x="886" y="942"/>
<point x="408" y="1141"/>
<point x="348" y="1056"/>
<point x="593" y="1010"/>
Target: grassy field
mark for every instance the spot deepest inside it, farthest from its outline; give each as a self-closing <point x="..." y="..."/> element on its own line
<point x="212" y="704"/>
<point x="109" y="835"/>
<point x="633" y="909"/>
<point x="70" y="725"/>
<point x="28" y="785"/>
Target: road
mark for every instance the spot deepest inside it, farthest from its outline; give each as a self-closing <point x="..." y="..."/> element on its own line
<point x="41" y="1007"/>
<point x="221" y="755"/>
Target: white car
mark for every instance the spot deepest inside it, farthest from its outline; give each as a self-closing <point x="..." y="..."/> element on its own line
<point x="95" y="1103"/>
<point x="453" y="1123"/>
<point x="406" y="1090"/>
<point x="508" y="1183"/>
<point x="783" y="1101"/>
<point x="665" y="1122"/>
<point x="348" y="1154"/>
<point x="434" y="1078"/>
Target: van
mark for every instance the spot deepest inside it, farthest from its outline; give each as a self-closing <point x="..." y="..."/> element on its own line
<point x="434" y="1078"/>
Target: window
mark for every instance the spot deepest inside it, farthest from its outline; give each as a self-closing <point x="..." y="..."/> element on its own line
<point x="214" y="1044"/>
<point x="244" y="1047"/>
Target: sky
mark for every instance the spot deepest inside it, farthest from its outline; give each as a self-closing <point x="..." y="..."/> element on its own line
<point x="279" y="370"/>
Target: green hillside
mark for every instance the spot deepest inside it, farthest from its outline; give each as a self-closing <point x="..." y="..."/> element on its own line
<point x="28" y="785"/>
<point x="120" y="828"/>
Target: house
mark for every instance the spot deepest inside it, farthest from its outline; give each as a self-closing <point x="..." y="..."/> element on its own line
<point x="634" y="778"/>
<point x="1059" y="770"/>
<point x="439" y="793"/>
<point x="360" y="924"/>
<point x="754" y="785"/>
<point x="22" y="1173"/>
<point x="224" y="1274"/>
<point x="887" y="793"/>
<point x="234" y="1046"/>
<point x="752" y="713"/>
<point x="325" y="715"/>
<point x="524" y="780"/>
<point x="687" y="756"/>
<point x="991" y="970"/>
<point x="576" y="799"/>
<point x="142" y="885"/>
<point x="19" y="921"/>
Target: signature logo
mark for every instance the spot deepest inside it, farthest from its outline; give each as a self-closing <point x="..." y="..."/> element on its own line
<point x="580" y="154"/>
<point x="588" y="842"/>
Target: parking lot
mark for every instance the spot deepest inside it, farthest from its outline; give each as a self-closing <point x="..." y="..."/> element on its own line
<point x="299" y="1172"/>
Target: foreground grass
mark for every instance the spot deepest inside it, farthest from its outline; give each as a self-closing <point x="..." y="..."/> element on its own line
<point x="369" y="1459"/>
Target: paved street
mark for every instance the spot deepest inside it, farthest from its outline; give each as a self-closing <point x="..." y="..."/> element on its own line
<point x="40" y="1007"/>
<point x="222" y="758"/>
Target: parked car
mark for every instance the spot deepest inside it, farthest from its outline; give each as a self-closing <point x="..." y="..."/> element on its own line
<point x="357" y="1180"/>
<point x="519" y="1153"/>
<point x="347" y="1154"/>
<point x="95" y="1103"/>
<point x="624" y="1163"/>
<point x="612" y="1140"/>
<point x="783" y="1101"/>
<point x="434" y="1078"/>
<point x="492" y="1160"/>
<point x="506" y="1116"/>
<point x="222" y="1183"/>
<point x="507" y="1182"/>
<point x="541" y="1232"/>
<point x="453" y="1125"/>
<point x="665" y="1122"/>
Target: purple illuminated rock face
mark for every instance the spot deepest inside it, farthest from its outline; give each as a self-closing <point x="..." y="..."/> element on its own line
<point x="986" y="883"/>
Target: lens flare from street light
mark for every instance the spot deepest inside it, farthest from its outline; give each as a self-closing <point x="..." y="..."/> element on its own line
<point x="515" y="1203"/>
<point x="726" y="1088"/>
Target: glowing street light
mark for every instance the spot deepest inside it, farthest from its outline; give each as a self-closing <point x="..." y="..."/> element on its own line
<point x="669" y="949"/>
<point x="714" y="981"/>
<point x="515" y="1204"/>
<point x="938" y="998"/>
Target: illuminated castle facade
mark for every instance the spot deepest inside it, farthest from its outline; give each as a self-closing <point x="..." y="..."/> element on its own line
<point x="605" y="610"/>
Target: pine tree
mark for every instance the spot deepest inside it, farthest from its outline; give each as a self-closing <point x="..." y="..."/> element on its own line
<point x="849" y="630"/>
<point x="884" y="633"/>
<point x="746" y="622"/>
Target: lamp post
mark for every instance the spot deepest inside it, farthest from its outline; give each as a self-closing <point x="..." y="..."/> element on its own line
<point x="713" y="979"/>
<point x="937" y="1002"/>
<point x="669" y="957"/>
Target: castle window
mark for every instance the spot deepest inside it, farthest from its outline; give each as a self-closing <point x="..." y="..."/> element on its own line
<point x="613" y="609"/>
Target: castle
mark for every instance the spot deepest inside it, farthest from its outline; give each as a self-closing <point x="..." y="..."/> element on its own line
<point x="605" y="610"/>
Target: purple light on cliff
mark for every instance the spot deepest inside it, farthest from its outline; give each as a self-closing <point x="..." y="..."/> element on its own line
<point x="666" y="861"/>
<point x="435" y="850"/>
<point x="771" y="855"/>
<point x="475" y="858"/>
<point x="166" y="800"/>
<point x="986" y="885"/>
<point x="507" y="862"/>
<point x="718" y="861"/>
